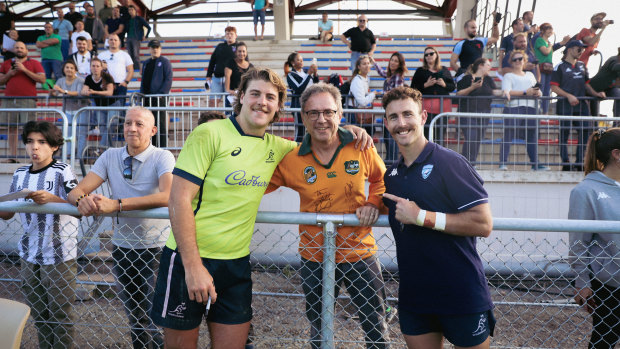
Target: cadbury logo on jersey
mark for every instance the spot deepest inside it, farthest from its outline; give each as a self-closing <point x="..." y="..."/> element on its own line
<point x="240" y="178"/>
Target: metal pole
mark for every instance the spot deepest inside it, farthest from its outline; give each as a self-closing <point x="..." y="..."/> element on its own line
<point x="329" y="283"/>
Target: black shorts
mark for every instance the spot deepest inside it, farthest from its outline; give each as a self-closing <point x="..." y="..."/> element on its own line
<point x="172" y="307"/>
<point x="466" y="330"/>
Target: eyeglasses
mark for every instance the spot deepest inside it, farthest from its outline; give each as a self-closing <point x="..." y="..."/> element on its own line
<point x="517" y="59"/>
<point x="327" y="114"/>
<point x="127" y="170"/>
<point x="429" y="54"/>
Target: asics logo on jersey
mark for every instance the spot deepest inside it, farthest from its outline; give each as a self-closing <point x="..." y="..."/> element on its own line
<point x="239" y="178"/>
<point x="236" y="152"/>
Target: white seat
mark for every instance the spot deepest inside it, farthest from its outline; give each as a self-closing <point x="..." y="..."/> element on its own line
<point x="12" y="322"/>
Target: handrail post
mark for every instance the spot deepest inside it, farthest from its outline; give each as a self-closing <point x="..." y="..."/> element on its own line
<point x="329" y="282"/>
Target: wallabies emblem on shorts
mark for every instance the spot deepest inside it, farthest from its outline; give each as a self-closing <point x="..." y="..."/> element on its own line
<point x="310" y="174"/>
<point x="352" y="167"/>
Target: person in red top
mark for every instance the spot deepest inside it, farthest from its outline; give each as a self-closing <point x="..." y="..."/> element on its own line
<point x="590" y="37"/>
<point x="20" y="75"/>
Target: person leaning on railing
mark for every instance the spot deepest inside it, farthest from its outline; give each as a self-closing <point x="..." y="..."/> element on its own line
<point x="70" y="85"/>
<point x="100" y="86"/>
<point x="477" y="84"/>
<point x="433" y="79"/>
<point x="361" y="97"/>
<point x="515" y="85"/>
<point x="235" y="68"/>
<point x="594" y="255"/>
<point x="544" y="53"/>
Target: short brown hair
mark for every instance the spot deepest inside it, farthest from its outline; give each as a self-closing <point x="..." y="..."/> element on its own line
<point x="321" y="87"/>
<point x="402" y="92"/>
<point x="207" y="116"/>
<point x="51" y="133"/>
<point x="230" y="29"/>
<point x="266" y="75"/>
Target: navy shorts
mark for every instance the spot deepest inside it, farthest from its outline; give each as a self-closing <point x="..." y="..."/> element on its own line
<point x="465" y="330"/>
<point x="258" y="15"/>
<point x="172" y="307"/>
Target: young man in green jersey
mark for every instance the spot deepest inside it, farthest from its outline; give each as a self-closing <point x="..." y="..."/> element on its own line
<point x="218" y="181"/>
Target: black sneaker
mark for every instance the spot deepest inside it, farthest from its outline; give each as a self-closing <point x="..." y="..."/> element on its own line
<point x="565" y="168"/>
<point x="577" y="168"/>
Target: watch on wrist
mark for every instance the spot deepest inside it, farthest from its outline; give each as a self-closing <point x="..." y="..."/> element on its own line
<point x="126" y="82"/>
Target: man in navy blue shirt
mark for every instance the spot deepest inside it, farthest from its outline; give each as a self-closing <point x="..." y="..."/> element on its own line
<point x="157" y="80"/>
<point x="437" y="209"/>
<point x="570" y="80"/>
<point x="469" y="49"/>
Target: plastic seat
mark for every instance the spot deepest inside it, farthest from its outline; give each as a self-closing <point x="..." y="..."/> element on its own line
<point x="12" y="322"/>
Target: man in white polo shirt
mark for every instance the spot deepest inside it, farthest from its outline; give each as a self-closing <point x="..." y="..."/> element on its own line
<point x="119" y="65"/>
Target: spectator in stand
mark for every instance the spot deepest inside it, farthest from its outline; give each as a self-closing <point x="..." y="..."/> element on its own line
<point x="114" y="25"/>
<point x="82" y="57"/>
<point x="79" y="31"/>
<point x="94" y="27"/>
<point x="223" y="53"/>
<point x="570" y="80"/>
<point x="361" y="97"/>
<point x="124" y="16"/>
<point x="64" y="28"/>
<point x="433" y="80"/>
<point x="506" y="44"/>
<point x="139" y="176"/>
<point x="208" y="116"/>
<point x="468" y="50"/>
<point x="7" y="20"/>
<point x="593" y="255"/>
<point x="362" y="41"/>
<point x="607" y="80"/>
<point x="119" y="65"/>
<point x="157" y="80"/>
<point x="234" y="69"/>
<point x="100" y="86"/>
<point x="70" y="85"/>
<point x="590" y="37"/>
<point x="20" y="75"/>
<point x="51" y="55"/>
<point x="478" y="84"/>
<point x="326" y="29"/>
<point x="48" y="246"/>
<point x="520" y="43"/>
<point x="8" y="53"/>
<point x="394" y="77"/>
<point x="73" y="16"/>
<point x="135" y="35"/>
<point x="298" y="80"/>
<point x="518" y="84"/>
<point x="105" y="12"/>
<point x="544" y="54"/>
<point x="528" y="23"/>
<point x="259" y="8"/>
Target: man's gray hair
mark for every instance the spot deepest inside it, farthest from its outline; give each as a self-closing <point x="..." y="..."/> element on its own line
<point x="141" y="110"/>
<point x="321" y="87"/>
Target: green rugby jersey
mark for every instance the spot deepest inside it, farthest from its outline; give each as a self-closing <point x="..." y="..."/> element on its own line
<point x="233" y="170"/>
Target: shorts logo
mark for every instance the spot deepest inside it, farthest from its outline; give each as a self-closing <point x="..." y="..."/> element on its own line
<point x="426" y="171"/>
<point x="178" y="311"/>
<point x="352" y="167"/>
<point x="236" y="152"/>
<point x="481" y="326"/>
<point x="331" y="174"/>
<point x="310" y="175"/>
<point x="270" y="156"/>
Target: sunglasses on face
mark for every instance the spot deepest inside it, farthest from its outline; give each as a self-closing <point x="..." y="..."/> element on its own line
<point x="429" y="54"/>
<point x="517" y="59"/>
<point x="127" y="170"/>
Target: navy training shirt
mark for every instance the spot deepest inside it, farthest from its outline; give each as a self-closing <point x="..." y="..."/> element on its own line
<point x="571" y="79"/>
<point x="439" y="273"/>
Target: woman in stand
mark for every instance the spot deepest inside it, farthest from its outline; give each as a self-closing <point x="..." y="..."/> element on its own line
<point x="544" y="53"/>
<point x="476" y="83"/>
<point x="70" y="85"/>
<point x="361" y="97"/>
<point x="234" y="69"/>
<point x="520" y="87"/>
<point x="298" y="79"/>
<point x="594" y="256"/>
<point x="394" y="77"/>
<point x="100" y="86"/>
<point x="433" y="79"/>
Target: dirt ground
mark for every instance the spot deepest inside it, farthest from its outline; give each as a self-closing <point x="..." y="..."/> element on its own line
<point x="529" y="314"/>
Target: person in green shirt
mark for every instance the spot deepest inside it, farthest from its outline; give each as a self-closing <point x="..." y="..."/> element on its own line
<point x="543" y="49"/>
<point x="51" y="56"/>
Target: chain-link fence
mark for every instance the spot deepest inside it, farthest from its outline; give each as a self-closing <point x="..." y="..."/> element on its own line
<point x="530" y="283"/>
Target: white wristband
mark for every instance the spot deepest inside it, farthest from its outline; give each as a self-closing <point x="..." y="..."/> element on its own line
<point x="440" y="221"/>
<point x="421" y="217"/>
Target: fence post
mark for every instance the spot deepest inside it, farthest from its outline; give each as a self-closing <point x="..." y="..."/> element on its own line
<point x="329" y="283"/>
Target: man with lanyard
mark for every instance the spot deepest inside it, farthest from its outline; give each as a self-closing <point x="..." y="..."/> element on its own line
<point x="82" y="57"/>
<point x="139" y="176"/>
<point x="223" y="53"/>
<point x="570" y="80"/>
<point x="157" y="80"/>
<point x="438" y="208"/>
<point x="468" y="50"/>
<point x="219" y="179"/>
<point x="362" y="41"/>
